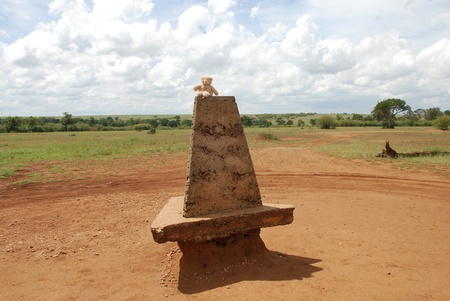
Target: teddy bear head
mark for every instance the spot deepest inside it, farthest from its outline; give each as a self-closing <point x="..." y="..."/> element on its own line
<point x="207" y="80"/>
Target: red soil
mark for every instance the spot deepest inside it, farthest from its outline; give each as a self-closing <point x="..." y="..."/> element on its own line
<point x="361" y="231"/>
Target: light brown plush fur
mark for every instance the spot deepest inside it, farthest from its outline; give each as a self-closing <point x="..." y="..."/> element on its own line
<point x="205" y="89"/>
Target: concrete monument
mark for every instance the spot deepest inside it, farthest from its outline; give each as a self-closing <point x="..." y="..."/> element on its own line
<point x="222" y="196"/>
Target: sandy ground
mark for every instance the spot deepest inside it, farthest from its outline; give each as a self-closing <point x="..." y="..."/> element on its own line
<point x="361" y="231"/>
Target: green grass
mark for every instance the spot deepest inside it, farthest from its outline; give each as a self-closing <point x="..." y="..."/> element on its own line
<point x="51" y="150"/>
<point x="367" y="143"/>
<point x="19" y="150"/>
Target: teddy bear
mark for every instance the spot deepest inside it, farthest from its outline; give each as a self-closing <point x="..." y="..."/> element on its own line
<point x="205" y="89"/>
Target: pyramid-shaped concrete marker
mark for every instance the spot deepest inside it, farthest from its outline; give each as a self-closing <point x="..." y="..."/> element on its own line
<point x="222" y="195"/>
<point x="220" y="173"/>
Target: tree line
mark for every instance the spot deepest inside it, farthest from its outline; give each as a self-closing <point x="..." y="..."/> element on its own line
<point x="387" y="114"/>
<point x="70" y="123"/>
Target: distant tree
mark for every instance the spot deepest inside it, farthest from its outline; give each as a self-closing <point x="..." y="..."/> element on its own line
<point x="280" y="121"/>
<point x="411" y="117"/>
<point x="246" y="121"/>
<point x="368" y="118"/>
<point x="442" y="122"/>
<point x="300" y="122"/>
<point x="420" y="113"/>
<point x="153" y="122"/>
<point x="110" y="121"/>
<point x="91" y="121"/>
<point x="12" y="124"/>
<point x="386" y="110"/>
<point x="263" y="123"/>
<point x="173" y="123"/>
<point x="326" y="122"/>
<point x="447" y="112"/>
<point x="357" y="117"/>
<point x="67" y="120"/>
<point x="433" y="113"/>
<point x="32" y="123"/>
<point x="178" y="120"/>
<point x="186" y="123"/>
<point x="313" y="121"/>
<point x="164" y="121"/>
<point x="290" y="122"/>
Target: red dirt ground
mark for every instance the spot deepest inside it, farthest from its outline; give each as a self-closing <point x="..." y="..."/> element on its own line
<point x="361" y="231"/>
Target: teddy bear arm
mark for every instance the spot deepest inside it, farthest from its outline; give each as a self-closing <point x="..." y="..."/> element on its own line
<point x="214" y="91"/>
<point x="197" y="87"/>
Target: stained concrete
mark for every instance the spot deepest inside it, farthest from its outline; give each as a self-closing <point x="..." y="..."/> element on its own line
<point x="220" y="174"/>
<point x="171" y="225"/>
<point x="222" y="195"/>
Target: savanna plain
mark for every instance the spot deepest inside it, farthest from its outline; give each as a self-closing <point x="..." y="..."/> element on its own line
<point x="76" y="210"/>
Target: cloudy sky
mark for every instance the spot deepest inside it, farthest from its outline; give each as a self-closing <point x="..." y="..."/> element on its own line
<point x="106" y="57"/>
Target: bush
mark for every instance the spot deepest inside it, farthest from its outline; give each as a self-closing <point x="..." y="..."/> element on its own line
<point x="142" y="127"/>
<point x="442" y="122"/>
<point x="351" y="123"/>
<point x="267" y="136"/>
<point x="326" y="122"/>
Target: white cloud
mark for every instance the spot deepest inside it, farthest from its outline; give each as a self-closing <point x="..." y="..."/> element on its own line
<point x="221" y="6"/>
<point x="254" y="11"/>
<point x="116" y="57"/>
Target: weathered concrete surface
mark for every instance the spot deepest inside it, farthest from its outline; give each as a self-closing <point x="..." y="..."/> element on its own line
<point x="220" y="175"/>
<point x="222" y="196"/>
<point x="171" y="225"/>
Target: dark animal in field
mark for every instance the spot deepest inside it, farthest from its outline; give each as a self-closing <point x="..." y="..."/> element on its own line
<point x="391" y="153"/>
<point x="388" y="152"/>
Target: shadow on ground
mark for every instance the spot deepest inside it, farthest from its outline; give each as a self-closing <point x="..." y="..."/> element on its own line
<point x="241" y="257"/>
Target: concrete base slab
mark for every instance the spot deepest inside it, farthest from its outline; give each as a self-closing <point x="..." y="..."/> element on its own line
<point x="171" y="225"/>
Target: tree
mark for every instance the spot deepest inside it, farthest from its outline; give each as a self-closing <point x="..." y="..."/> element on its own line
<point x="12" y="124"/>
<point x="326" y="122"/>
<point x="164" y="122"/>
<point x="153" y="122"/>
<point x="67" y="120"/>
<point x="187" y="123"/>
<point x="263" y="123"/>
<point x="280" y="121"/>
<point x="173" y="123"/>
<point x="357" y="117"/>
<point x="178" y="120"/>
<point x="246" y="121"/>
<point x="433" y="113"/>
<point x="386" y="110"/>
<point x="442" y="122"/>
<point x="420" y="113"/>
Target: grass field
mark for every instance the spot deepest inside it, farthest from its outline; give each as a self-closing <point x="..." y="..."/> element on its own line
<point x="17" y="151"/>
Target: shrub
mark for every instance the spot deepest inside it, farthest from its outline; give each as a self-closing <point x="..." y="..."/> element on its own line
<point x="267" y="136"/>
<point x="442" y="122"/>
<point x="142" y="127"/>
<point x="326" y="122"/>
